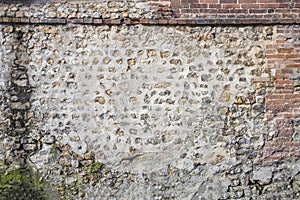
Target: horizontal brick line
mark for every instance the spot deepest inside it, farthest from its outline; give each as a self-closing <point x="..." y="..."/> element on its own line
<point x="177" y="21"/>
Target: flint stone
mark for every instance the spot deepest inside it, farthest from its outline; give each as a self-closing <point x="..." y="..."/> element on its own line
<point x="263" y="175"/>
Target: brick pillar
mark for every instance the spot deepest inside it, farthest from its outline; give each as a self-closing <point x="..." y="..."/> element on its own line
<point x="283" y="99"/>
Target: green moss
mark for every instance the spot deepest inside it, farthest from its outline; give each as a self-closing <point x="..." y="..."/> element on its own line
<point x="38" y="183"/>
<point x="14" y="177"/>
<point x="20" y="184"/>
<point x="53" y="149"/>
<point x="94" y="167"/>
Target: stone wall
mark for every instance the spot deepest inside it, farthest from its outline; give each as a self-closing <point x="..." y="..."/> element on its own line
<point x="106" y="109"/>
<point x="184" y="12"/>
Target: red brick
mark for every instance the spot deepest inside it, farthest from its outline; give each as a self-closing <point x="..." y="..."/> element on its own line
<point x="150" y="21"/>
<point x="185" y="5"/>
<point x="192" y="10"/>
<point x="279" y="102"/>
<point x="272" y="15"/>
<point x="295" y="10"/>
<point x="208" y="10"/>
<point x="257" y="11"/>
<point x="265" y="1"/>
<point x="214" y="5"/>
<point x="293" y="65"/>
<point x="276" y="56"/>
<point x="292" y="56"/>
<point x="274" y="46"/>
<point x="294" y="96"/>
<point x="191" y="21"/>
<point x="231" y="6"/>
<point x="220" y="11"/>
<point x="228" y="1"/>
<point x="280" y="1"/>
<point x="163" y="21"/>
<point x="286" y="50"/>
<point x="271" y="51"/>
<point x="287" y="71"/>
<point x="127" y="21"/>
<point x="276" y="20"/>
<point x="206" y="21"/>
<point x="249" y="5"/>
<point x="181" y="21"/>
<point x="175" y="4"/>
<point x="273" y="157"/>
<point x="282" y="10"/>
<point x="284" y="91"/>
<point x="287" y="15"/>
<point x="270" y="5"/>
<point x="209" y="1"/>
<point x="284" y="5"/>
<point x="265" y="21"/>
<point x="189" y="1"/>
<point x="75" y="21"/>
<point x="199" y="6"/>
<point x="247" y="1"/>
<point x="283" y="82"/>
<point x="56" y="21"/>
<point x="144" y="21"/>
<point x="172" y="21"/>
<point x="98" y="21"/>
<point x="275" y="96"/>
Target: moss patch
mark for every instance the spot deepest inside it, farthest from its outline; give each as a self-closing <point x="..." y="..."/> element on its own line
<point x="94" y="167"/>
<point x="20" y="184"/>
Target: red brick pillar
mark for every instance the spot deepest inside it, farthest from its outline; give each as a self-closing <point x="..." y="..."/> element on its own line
<point x="283" y="99"/>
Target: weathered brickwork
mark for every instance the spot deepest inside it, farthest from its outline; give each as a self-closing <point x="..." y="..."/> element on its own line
<point x="278" y="9"/>
<point x="134" y="100"/>
<point x="181" y="12"/>
<point x="283" y="97"/>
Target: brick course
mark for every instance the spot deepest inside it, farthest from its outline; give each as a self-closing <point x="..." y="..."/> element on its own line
<point x="223" y="12"/>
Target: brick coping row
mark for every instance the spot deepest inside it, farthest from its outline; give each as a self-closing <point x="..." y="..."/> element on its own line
<point x="204" y="21"/>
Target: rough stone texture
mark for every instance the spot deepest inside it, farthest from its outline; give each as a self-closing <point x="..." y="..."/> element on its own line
<point x="62" y="9"/>
<point x="143" y="112"/>
<point x="182" y="12"/>
<point x="135" y="95"/>
<point x="105" y="110"/>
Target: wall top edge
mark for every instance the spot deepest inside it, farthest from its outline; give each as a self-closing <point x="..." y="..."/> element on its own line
<point x="162" y="12"/>
<point x="192" y="22"/>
